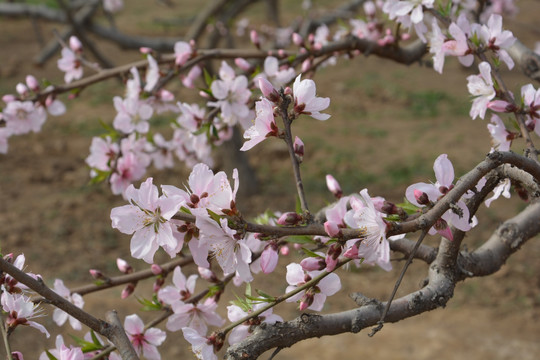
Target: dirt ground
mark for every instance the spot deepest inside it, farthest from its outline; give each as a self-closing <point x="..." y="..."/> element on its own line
<point x="389" y="123"/>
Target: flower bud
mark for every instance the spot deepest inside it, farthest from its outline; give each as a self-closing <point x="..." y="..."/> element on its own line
<point x="32" y="83"/>
<point x="306" y="65"/>
<point x="123" y="266"/>
<point x="254" y="37"/>
<point x="501" y="106"/>
<point x="269" y="259"/>
<point x="207" y="274"/>
<point x="96" y="274"/>
<point x="284" y="250"/>
<point x="297" y="39"/>
<point x="389" y="208"/>
<point x="313" y="263"/>
<point x="298" y="149"/>
<point x="352" y="252"/>
<point x="421" y="197"/>
<point x="145" y="50"/>
<point x="17" y="355"/>
<point x="268" y="90"/>
<point x="75" y="44"/>
<point x="21" y="89"/>
<point x="332" y="229"/>
<point x="443" y="229"/>
<point x="156" y="269"/>
<point x="128" y="290"/>
<point x="306" y="301"/>
<point x="289" y="218"/>
<point x="243" y="64"/>
<point x="158" y="284"/>
<point x="333" y="186"/>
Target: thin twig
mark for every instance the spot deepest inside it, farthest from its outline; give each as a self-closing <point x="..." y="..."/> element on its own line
<point x="380" y="323"/>
<point x="5" y="339"/>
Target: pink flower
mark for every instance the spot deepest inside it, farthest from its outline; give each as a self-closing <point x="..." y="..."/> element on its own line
<point x="182" y="289"/>
<point x="102" y="152"/>
<point x="144" y="341"/>
<point x="22" y="117"/>
<point x="200" y="345"/>
<point x="195" y="316"/>
<point x="182" y="51"/>
<point x="502" y="189"/>
<point x="499" y="134"/>
<point x="192" y="75"/>
<point x="133" y="115"/>
<point x="235" y="313"/>
<point x="71" y="65"/>
<point x="232" y="254"/>
<point x="20" y="309"/>
<point x="59" y="316"/>
<point x="497" y="39"/>
<point x="276" y="76"/>
<point x="62" y="352"/>
<point x="315" y="296"/>
<point x="305" y="101"/>
<point x="481" y="87"/>
<point x="147" y="218"/>
<point x="232" y="95"/>
<point x="264" y="126"/>
<point x="444" y="173"/>
<point x="269" y="259"/>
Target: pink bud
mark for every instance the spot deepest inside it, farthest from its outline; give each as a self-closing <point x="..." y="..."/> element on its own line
<point x="268" y="90"/>
<point x="75" y="44"/>
<point x="297" y="39"/>
<point x="333" y="186"/>
<point x="405" y="36"/>
<point x="311" y="38"/>
<point x="501" y="106"/>
<point x="9" y="258"/>
<point x="243" y="64"/>
<point x="313" y="264"/>
<point x="421" y="197"/>
<point x="303" y="305"/>
<point x="298" y="148"/>
<point x="32" y="83"/>
<point x="17" y="355"/>
<point x="332" y="256"/>
<point x="297" y="246"/>
<point x="128" y="290"/>
<point x="156" y="269"/>
<point x="281" y="53"/>
<point x="443" y="229"/>
<point x="8" y="98"/>
<point x="207" y="274"/>
<point x="123" y="266"/>
<point x="332" y="229"/>
<point x="352" y="252"/>
<point x="289" y="218"/>
<point x="145" y="50"/>
<point x="21" y="89"/>
<point x="254" y="37"/>
<point x="306" y="65"/>
<point x="284" y="250"/>
<point x="204" y="95"/>
<point x="269" y="259"/>
<point x="158" y="284"/>
<point x="96" y="274"/>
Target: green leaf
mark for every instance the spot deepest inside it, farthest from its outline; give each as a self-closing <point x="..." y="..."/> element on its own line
<point x="311" y="253"/>
<point x="258" y="300"/>
<point x="185" y="210"/>
<point x="150" y="305"/>
<point x="203" y="129"/>
<point x="94" y="338"/>
<point x="100" y="176"/>
<point x="265" y="295"/>
<point x="50" y="356"/>
<point x="86" y="346"/>
<point x="214" y="216"/>
<point x="208" y="79"/>
<point x="300" y="239"/>
<point x="213" y="290"/>
<point x="298" y="205"/>
<point x="408" y="207"/>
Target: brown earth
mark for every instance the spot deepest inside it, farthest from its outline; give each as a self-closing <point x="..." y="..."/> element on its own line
<point x="388" y="124"/>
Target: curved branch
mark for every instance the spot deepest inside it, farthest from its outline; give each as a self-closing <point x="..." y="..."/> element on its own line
<point x="506" y="240"/>
<point x="265" y="337"/>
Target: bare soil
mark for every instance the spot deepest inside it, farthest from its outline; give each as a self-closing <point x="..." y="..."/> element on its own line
<point x="389" y="123"/>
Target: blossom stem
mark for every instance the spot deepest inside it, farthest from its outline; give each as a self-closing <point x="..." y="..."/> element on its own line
<point x="283" y="108"/>
<point x="7" y="347"/>
<point x="282" y="298"/>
